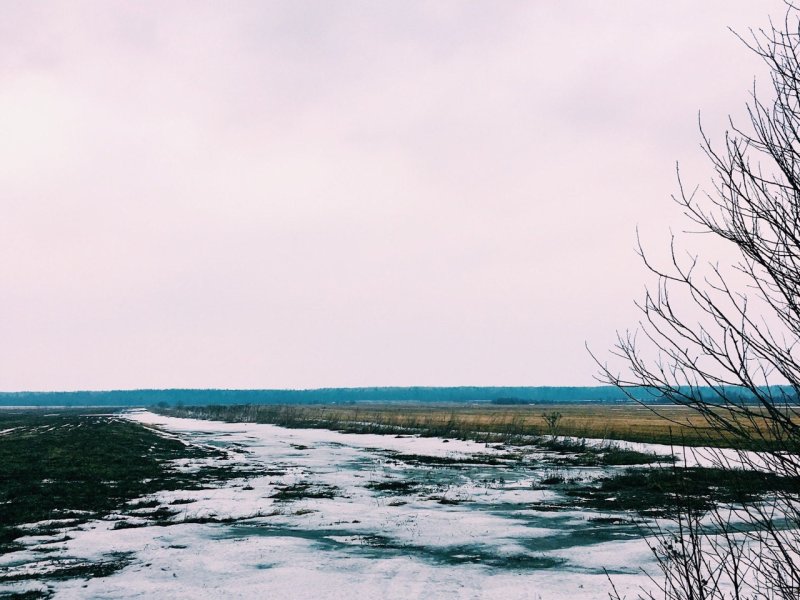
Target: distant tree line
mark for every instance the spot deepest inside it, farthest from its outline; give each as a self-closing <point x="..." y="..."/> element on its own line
<point x="497" y="395"/>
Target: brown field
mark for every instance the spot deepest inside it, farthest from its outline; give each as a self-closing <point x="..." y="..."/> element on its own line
<point x="622" y="422"/>
<point x="668" y="424"/>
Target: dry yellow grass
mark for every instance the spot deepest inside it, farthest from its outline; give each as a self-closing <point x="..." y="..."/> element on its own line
<point x="623" y="422"/>
<point x="667" y="424"/>
<point x="632" y="422"/>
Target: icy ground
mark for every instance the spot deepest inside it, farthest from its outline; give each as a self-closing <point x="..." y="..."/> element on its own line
<point x="332" y="515"/>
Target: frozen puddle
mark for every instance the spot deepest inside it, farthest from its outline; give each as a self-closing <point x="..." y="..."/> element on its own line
<point x="332" y="515"/>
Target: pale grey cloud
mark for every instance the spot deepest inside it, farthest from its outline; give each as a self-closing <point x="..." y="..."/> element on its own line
<point x="306" y="194"/>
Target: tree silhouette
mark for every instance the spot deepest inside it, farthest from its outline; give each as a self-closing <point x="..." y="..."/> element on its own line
<point x="723" y="340"/>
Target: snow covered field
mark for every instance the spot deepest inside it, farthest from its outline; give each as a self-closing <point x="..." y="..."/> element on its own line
<point x="333" y="515"/>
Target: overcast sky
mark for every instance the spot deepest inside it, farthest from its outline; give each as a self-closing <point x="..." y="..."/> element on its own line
<point x="313" y="194"/>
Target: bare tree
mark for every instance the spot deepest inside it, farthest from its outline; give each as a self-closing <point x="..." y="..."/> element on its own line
<point x="724" y="341"/>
